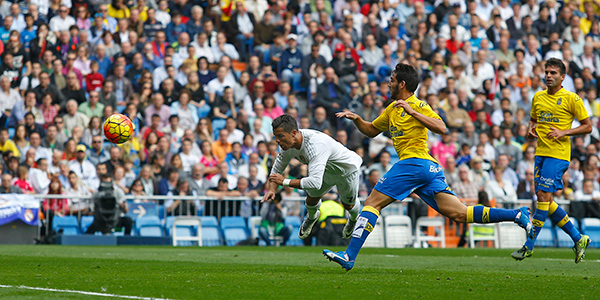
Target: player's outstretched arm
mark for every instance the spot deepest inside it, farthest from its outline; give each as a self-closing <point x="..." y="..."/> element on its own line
<point x="363" y="126"/>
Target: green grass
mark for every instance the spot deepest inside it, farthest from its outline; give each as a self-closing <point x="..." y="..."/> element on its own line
<point x="296" y="273"/>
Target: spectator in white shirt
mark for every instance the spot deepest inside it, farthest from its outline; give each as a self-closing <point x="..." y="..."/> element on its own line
<point x="235" y="135"/>
<point x="40" y="177"/>
<point x="84" y="169"/>
<point x="224" y="48"/>
<point x="63" y="21"/>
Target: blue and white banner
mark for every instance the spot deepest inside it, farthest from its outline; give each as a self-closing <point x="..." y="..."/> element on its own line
<point x="18" y="207"/>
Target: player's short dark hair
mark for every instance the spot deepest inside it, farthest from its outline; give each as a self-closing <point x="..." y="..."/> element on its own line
<point x="408" y="74"/>
<point x="555" y="62"/>
<point x="286" y="122"/>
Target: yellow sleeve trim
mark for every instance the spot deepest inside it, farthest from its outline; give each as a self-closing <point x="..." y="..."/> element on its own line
<point x="543" y="205"/>
<point x="371" y="209"/>
<point x="470" y="214"/>
<point x="552" y="208"/>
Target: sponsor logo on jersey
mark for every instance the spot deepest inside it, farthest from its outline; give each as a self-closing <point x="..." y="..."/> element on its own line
<point x="394" y="131"/>
<point x="381" y="180"/>
<point x="547" y="117"/>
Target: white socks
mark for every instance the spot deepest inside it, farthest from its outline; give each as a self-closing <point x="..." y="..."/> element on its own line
<point x="312" y="210"/>
<point x="355" y="211"/>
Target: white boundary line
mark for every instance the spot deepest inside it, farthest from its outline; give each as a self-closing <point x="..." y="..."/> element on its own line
<point x="79" y="292"/>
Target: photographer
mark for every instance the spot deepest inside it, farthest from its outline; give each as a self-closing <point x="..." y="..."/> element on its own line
<point x="109" y="206"/>
<point x="272" y="224"/>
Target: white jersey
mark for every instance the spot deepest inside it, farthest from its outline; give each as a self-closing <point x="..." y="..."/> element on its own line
<point x="322" y="154"/>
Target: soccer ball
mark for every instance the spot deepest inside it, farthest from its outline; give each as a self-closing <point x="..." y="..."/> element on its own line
<point x="118" y="128"/>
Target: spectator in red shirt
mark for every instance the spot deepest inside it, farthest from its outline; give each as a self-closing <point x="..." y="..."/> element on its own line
<point x="94" y="80"/>
<point x="23" y="180"/>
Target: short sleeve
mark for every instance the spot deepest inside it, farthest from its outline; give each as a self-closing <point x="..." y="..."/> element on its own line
<point x="382" y="122"/>
<point x="533" y="113"/>
<point x="426" y="110"/>
<point x="579" y="110"/>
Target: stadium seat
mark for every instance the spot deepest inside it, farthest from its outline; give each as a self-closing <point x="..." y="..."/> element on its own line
<point x="217" y="125"/>
<point x="376" y="239"/>
<point x="295" y="222"/>
<point x="85" y="222"/>
<point x="234" y="230"/>
<point x="483" y="232"/>
<point x="185" y="231"/>
<point x="161" y="211"/>
<point x="511" y="235"/>
<point x="148" y="226"/>
<point x="211" y="234"/>
<point x="546" y="237"/>
<point x="398" y="231"/>
<point x="436" y="222"/>
<point x="591" y="227"/>
<point x="563" y="239"/>
<point x="68" y="225"/>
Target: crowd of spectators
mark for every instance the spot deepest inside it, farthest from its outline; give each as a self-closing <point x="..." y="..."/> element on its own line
<point x="203" y="80"/>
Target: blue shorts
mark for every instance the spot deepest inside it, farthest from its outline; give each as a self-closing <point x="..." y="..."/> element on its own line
<point x="548" y="173"/>
<point x="422" y="176"/>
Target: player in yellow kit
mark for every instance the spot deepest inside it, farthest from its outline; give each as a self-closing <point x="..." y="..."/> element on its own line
<point x="552" y="113"/>
<point x="408" y="119"/>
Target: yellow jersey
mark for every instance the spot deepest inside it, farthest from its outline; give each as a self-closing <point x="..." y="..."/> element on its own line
<point x="9" y="145"/>
<point x="555" y="111"/>
<point x="408" y="134"/>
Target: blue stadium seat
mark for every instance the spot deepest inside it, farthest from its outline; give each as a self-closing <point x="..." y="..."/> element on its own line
<point x="546" y="237"/>
<point x="591" y="227"/>
<point x="161" y="211"/>
<point x="148" y="226"/>
<point x="211" y="234"/>
<point x="86" y="221"/>
<point x="295" y="222"/>
<point x="564" y="240"/>
<point x="217" y="125"/>
<point x="234" y="230"/>
<point x="68" y="224"/>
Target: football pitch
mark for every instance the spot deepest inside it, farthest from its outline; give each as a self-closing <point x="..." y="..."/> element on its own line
<point x="76" y="272"/>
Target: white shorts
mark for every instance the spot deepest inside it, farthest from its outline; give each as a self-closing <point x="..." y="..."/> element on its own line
<point x="347" y="187"/>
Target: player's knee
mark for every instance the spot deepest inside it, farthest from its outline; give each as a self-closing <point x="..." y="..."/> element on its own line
<point x="458" y="216"/>
<point x="544" y="196"/>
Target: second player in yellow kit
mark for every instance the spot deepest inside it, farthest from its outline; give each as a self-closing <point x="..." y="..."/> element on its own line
<point x="555" y="111"/>
<point x="552" y="114"/>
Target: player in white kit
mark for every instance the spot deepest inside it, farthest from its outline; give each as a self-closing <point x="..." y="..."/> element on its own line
<point x="329" y="164"/>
